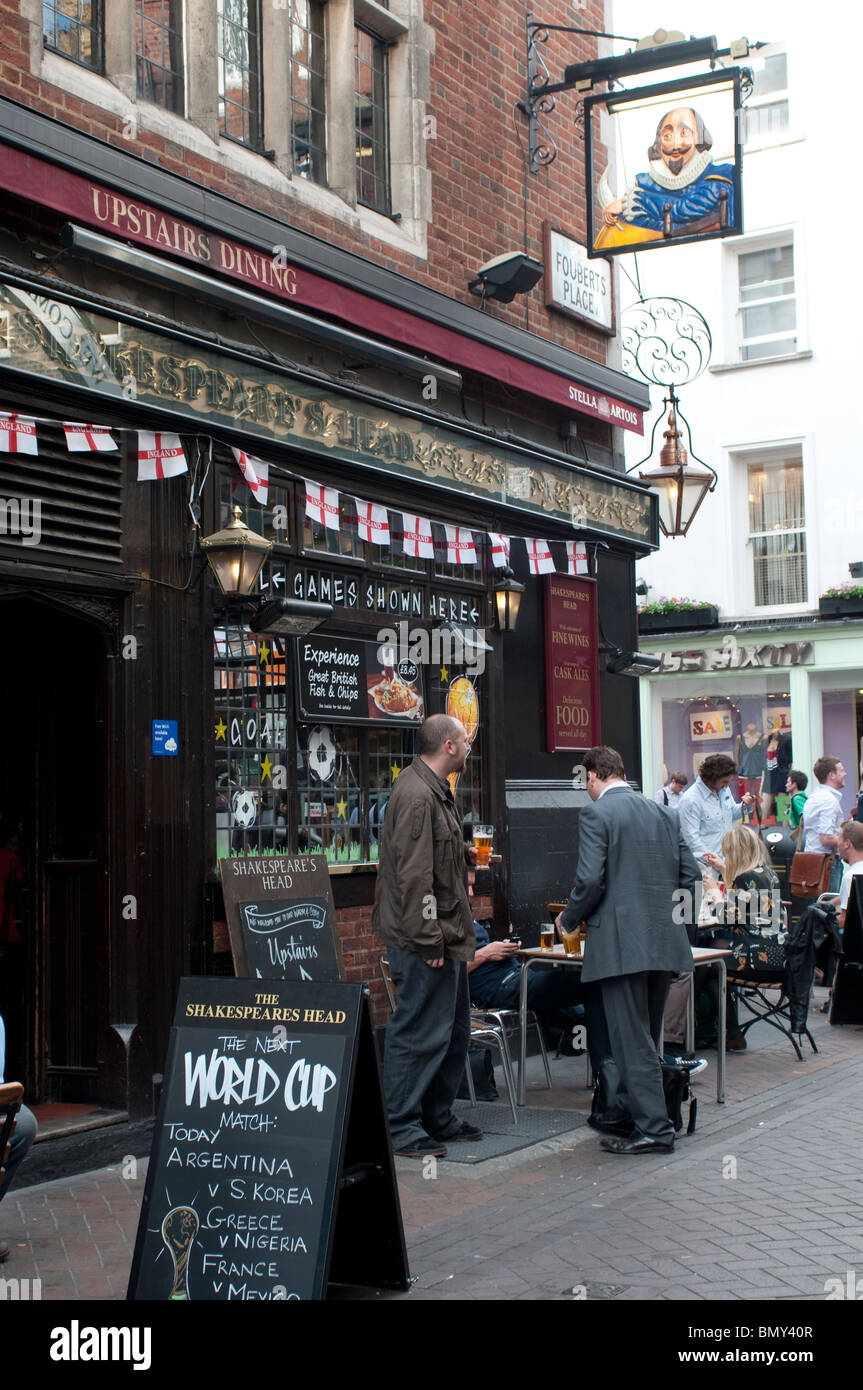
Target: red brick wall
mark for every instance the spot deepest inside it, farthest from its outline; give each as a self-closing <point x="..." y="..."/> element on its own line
<point x="478" y="72"/>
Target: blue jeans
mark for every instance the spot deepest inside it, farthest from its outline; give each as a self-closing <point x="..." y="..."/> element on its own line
<point x="426" y="1047"/>
<point x="25" y="1133"/>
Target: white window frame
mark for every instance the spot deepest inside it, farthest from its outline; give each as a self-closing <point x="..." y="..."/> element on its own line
<point x="739" y="460"/>
<point x="733" y="306"/>
<point x="767" y="138"/>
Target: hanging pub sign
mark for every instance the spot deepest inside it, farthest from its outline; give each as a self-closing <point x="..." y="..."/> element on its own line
<point x="281" y="917"/>
<point x="676" y="176"/>
<point x="571" y="664"/>
<point x="357" y="682"/>
<point x="269" y="1087"/>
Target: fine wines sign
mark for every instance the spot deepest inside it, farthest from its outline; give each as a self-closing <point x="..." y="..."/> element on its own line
<point x="571" y="664"/>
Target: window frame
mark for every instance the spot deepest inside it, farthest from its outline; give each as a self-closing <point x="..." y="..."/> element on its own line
<point x="765" y="102"/>
<point x="772" y="454"/>
<point x="781" y="335"/>
<point x="175" y="32"/>
<point x="380" y="147"/>
<point x="98" y="29"/>
<point x="256" y="141"/>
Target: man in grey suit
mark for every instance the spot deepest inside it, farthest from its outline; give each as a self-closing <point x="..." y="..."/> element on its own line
<point x="631" y="859"/>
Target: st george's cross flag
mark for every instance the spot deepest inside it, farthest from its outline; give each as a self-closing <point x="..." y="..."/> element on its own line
<point x="160" y="456"/>
<point x="255" y="472"/>
<point x="576" y="558"/>
<point x="417" y="537"/>
<point x="373" y="522"/>
<point x="18" y="434"/>
<point x="539" y="557"/>
<point x="460" y="549"/>
<point x="322" y="505"/>
<point x="88" y="439"/>
<point x="499" y="549"/>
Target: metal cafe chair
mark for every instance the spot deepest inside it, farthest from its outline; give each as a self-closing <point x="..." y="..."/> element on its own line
<point x="481" y="1032"/>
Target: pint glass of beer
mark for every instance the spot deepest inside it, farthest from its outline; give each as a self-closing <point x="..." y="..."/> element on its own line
<point x="482" y="839"/>
<point x="546" y="938"/>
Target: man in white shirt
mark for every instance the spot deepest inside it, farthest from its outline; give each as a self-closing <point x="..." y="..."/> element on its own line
<point x="822" y="814"/>
<point x="670" y="795"/>
<point x="851" y="850"/>
<point x="25" y="1133"/>
<point x="707" y="809"/>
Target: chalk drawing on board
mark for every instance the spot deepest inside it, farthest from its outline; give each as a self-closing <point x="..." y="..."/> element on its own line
<point x="179" y="1229"/>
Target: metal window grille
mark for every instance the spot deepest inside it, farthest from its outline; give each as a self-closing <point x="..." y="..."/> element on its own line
<point x="75" y="28"/>
<point x="767" y="309"/>
<point x="777" y="530"/>
<point x="239" y="58"/>
<point x="159" y="53"/>
<point x="371" y="121"/>
<point x="308" y="91"/>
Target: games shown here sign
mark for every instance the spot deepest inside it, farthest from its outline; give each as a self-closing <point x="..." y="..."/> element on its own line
<point x="281" y="917"/>
<point x="271" y="1159"/>
<point x="675" y="175"/>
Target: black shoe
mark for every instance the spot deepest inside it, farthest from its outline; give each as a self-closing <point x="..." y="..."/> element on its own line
<point x="421" y="1148"/>
<point x="640" y="1144"/>
<point x="606" y="1125"/>
<point x="465" y="1134"/>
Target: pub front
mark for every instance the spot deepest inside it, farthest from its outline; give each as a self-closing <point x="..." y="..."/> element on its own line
<point x="406" y="468"/>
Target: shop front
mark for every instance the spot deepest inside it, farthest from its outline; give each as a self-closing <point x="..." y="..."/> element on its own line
<point x="772" y="699"/>
<point x="160" y="727"/>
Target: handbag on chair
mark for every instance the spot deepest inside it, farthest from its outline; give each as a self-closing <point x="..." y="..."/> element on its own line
<point x="810" y="874"/>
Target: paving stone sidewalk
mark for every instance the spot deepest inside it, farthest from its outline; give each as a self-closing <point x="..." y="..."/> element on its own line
<point x="764" y="1201"/>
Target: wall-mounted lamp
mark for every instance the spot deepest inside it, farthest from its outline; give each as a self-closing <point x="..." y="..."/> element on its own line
<point x="855" y="569"/>
<point x="622" y="663"/>
<point x="236" y="556"/>
<point x="290" y="617"/>
<point x="506" y="276"/>
<point x="507" y="594"/>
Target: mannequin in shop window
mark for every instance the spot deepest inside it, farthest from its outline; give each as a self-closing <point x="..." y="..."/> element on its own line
<point x="750" y="755"/>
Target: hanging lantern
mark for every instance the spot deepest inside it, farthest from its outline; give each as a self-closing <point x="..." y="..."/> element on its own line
<point x="236" y="556"/>
<point x="680" y="485"/>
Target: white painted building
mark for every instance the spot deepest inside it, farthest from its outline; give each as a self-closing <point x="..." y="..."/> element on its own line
<point x="776" y="414"/>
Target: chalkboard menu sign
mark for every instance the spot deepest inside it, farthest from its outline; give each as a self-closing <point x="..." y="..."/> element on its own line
<point x="271" y="1161"/>
<point x="357" y="682"/>
<point x="281" y="917"/>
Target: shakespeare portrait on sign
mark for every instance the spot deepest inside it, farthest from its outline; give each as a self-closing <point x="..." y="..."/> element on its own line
<point x="690" y="187"/>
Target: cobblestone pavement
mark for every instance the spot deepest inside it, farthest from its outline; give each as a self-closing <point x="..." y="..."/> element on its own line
<point x="764" y="1201"/>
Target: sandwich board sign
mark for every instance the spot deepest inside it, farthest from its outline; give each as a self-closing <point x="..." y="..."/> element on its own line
<point x="271" y="1163"/>
<point x="281" y="917"/>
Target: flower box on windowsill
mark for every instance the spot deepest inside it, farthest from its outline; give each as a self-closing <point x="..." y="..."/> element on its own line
<point x="679" y="619"/>
<point x="851" y="607"/>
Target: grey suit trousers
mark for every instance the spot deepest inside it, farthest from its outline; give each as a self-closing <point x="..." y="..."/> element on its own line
<point x="633" y="1006"/>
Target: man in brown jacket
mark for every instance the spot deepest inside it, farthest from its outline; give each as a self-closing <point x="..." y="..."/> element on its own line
<point x="423" y="915"/>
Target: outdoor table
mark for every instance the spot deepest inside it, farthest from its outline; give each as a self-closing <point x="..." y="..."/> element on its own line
<point x="701" y="955"/>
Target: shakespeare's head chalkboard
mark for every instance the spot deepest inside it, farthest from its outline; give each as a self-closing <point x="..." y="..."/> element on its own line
<point x="281" y="918"/>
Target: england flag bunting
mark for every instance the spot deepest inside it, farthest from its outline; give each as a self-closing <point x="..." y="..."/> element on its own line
<point x="460" y="549"/>
<point x="417" y="537"/>
<point x="160" y="456"/>
<point x="499" y="549"/>
<point x="539" y="557"/>
<point x="18" y="435"/>
<point x="322" y="504"/>
<point x="576" y="558"/>
<point x="373" y="522"/>
<point x="255" y="472"/>
<point x="88" y="439"/>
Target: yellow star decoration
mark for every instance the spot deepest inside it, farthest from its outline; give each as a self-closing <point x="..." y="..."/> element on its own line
<point x="395" y="770"/>
<point x="266" y="769"/>
<point x="444" y="675"/>
<point x="221" y="730"/>
<point x="264" y="659"/>
<point x="342" y="808"/>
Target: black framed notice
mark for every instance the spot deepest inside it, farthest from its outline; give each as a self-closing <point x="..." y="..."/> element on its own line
<point x="271" y="1173"/>
<point x="281" y="917"/>
<point x="339" y="678"/>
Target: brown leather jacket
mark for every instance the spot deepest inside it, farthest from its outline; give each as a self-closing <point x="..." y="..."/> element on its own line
<point x="421" y="901"/>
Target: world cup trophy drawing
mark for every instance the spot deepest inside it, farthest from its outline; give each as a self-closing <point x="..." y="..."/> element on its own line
<point x="179" y="1229"/>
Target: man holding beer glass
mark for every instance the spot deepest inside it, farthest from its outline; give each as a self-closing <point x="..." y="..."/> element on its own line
<point x="631" y="859"/>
